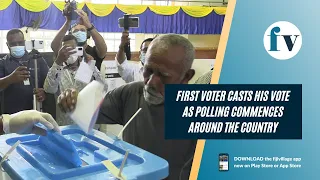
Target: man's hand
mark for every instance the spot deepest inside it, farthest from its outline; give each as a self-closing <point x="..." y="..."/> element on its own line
<point x="63" y="54"/>
<point x="84" y="20"/>
<point x="68" y="100"/>
<point x="124" y="39"/>
<point x="67" y="11"/>
<point x="19" y="74"/>
<point x="24" y="122"/>
<point x="40" y="94"/>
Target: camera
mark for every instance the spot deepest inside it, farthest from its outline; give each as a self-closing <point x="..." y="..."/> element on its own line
<point x="127" y="22"/>
<point x="34" y="44"/>
<point x="79" y="51"/>
<point x="70" y="11"/>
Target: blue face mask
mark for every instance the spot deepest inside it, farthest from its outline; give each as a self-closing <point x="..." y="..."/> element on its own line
<point x="81" y="36"/>
<point x="17" y="51"/>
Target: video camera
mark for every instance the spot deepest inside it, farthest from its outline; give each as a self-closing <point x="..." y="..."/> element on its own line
<point x="34" y="44"/>
<point x="127" y="22"/>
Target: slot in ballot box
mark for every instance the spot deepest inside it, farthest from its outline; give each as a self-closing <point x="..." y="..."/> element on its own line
<point x="76" y="155"/>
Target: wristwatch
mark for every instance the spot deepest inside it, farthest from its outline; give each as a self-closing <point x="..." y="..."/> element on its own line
<point x="92" y="27"/>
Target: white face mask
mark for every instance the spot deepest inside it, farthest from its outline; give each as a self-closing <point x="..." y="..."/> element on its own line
<point x="72" y="59"/>
<point x="17" y="51"/>
<point x="151" y="96"/>
<point x="142" y="57"/>
<point x="81" y="36"/>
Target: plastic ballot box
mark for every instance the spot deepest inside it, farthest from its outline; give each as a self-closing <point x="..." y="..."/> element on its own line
<point x="77" y="155"/>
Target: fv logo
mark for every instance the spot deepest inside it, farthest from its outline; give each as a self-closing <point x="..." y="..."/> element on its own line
<point x="282" y="40"/>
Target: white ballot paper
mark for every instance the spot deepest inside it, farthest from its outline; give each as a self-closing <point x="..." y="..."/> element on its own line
<point x="88" y="104"/>
<point x="92" y="64"/>
<point x="84" y="73"/>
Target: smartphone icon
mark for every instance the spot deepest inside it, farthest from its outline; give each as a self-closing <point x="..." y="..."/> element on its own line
<point x="223" y="162"/>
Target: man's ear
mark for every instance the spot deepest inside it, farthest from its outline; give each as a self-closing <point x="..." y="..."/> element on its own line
<point x="188" y="76"/>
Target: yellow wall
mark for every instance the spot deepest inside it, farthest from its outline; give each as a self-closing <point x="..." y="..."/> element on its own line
<point x="204" y="41"/>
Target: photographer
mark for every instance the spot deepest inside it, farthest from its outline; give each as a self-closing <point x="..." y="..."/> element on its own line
<point x="17" y="76"/>
<point x="80" y="31"/>
<point x="131" y="72"/>
<point x="61" y="75"/>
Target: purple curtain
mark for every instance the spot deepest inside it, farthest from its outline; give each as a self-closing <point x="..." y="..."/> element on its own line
<point x="180" y="23"/>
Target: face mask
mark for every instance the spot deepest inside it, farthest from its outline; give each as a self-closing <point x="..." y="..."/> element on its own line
<point x="81" y="36"/>
<point x="151" y="96"/>
<point x="72" y="59"/>
<point x="17" y="51"/>
<point x="142" y="57"/>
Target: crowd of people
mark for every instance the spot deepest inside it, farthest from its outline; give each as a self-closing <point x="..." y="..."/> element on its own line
<point x="166" y="59"/>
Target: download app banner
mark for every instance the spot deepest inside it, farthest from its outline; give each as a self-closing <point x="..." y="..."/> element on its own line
<point x="265" y="46"/>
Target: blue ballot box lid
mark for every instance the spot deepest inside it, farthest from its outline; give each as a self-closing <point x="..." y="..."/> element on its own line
<point x="76" y="155"/>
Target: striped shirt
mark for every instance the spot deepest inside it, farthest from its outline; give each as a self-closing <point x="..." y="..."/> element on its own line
<point x="205" y="78"/>
<point x="61" y="78"/>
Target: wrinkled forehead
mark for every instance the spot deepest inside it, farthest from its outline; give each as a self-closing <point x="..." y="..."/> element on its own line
<point x="170" y="57"/>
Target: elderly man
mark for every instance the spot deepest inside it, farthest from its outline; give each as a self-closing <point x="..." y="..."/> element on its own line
<point x="168" y="61"/>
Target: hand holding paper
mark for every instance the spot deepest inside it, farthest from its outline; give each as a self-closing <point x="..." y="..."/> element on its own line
<point x="85" y="106"/>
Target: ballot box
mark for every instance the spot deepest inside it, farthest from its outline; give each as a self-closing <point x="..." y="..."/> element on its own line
<point x="76" y="155"/>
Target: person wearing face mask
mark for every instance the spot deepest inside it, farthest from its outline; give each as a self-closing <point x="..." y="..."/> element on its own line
<point x="61" y="75"/>
<point x="80" y="30"/>
<point x="17" y="73"/>
<point x="168" y="61"/>
<point x="131" y="72"/>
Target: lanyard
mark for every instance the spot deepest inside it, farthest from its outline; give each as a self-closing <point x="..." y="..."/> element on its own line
<point x="26" y="63"/>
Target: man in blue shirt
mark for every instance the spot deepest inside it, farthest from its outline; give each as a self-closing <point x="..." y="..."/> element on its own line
<point x="17" y="73"/>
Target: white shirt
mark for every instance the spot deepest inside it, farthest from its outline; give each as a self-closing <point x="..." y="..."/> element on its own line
<point x="130" y="72"/>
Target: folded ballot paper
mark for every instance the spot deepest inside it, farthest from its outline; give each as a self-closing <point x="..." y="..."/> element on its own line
<point x="88" y="104"/>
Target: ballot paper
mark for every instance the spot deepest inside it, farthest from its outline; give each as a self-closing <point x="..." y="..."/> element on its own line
<point x="84" y="73"/>
<point x="92" y="64"/>
<point x="88" y="104"/>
